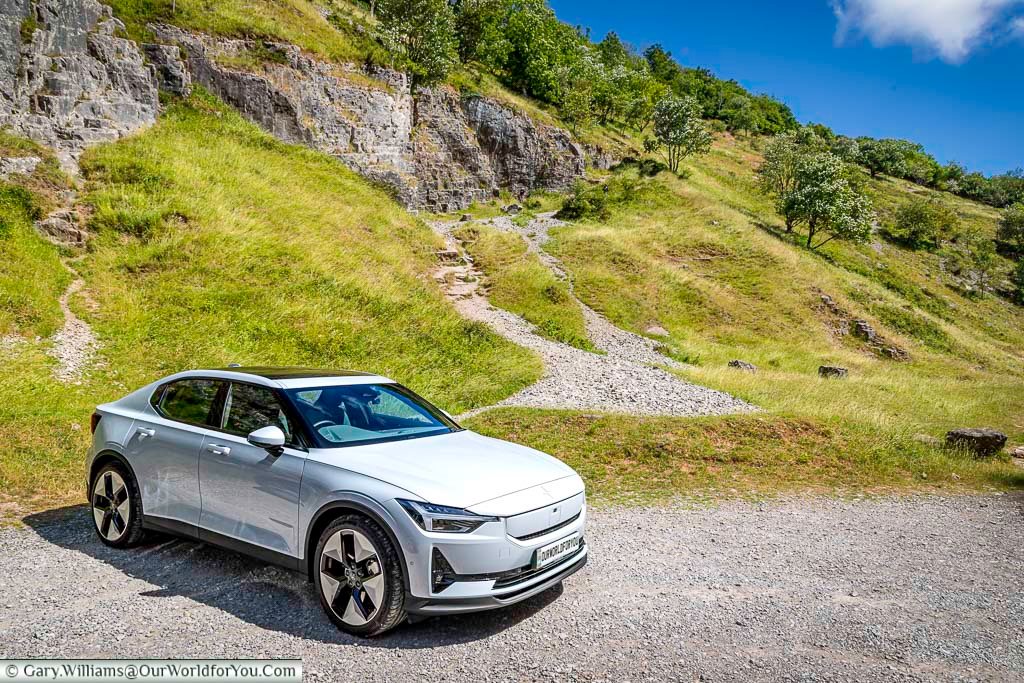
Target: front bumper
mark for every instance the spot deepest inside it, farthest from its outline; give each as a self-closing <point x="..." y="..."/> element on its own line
<point x="440" y="605"/>
<point x="489" y="567"/>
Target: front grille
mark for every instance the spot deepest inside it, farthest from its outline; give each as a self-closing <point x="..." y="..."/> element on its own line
<point x="526" y="573"/>
<point x="542" y="532"/>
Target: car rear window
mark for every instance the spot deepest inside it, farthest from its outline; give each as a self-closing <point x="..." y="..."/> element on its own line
<point x="190" y="400"/>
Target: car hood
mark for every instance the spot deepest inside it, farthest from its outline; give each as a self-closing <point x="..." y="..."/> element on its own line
<point x="461" y="469"/>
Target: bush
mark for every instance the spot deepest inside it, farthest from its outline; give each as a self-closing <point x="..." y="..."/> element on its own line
<point x="596" y="201"/>
<point x="922" y="224"/>
<point x="1010" y="234"/>
<point x="1018" y="280"/>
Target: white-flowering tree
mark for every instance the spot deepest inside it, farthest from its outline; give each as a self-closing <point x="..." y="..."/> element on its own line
<point x="679" y="128"/>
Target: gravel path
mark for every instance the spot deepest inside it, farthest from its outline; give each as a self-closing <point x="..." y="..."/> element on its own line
<point x="804" y="590"/>
<point x="75" y="344"/>
<point x="627" y="378"/>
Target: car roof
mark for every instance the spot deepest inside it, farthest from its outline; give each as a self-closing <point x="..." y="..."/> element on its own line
<point x="287" y="377"/>
<point x="293" y="372"/>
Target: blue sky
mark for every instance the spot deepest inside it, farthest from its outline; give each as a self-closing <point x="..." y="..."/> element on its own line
<point x="946" y="73"/>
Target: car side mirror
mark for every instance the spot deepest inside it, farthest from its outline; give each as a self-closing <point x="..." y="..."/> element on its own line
<point x="270" y="438"/>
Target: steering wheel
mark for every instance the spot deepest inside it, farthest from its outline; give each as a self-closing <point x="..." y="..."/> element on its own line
<point x="325" y="423"/>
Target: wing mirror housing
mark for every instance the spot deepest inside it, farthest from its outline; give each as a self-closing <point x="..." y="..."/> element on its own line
<point x="269" y="438"/>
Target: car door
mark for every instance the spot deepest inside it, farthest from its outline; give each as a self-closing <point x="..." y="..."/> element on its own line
<point x="164" y="448"/>
<point x="248" y="493"/>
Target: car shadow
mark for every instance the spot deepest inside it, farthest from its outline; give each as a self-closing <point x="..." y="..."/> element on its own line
<point x="255" y="592"/>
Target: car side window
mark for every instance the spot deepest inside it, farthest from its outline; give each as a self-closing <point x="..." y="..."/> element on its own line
<point x="249" y="407"/>
<point x="190" y="400"/>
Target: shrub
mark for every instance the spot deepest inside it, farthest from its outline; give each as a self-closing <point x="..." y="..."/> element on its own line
<point x="922" y="224"/>
<point x="1010" y="234"/>
<point x="596" y="201"/>
<point x="1018" y="281"/>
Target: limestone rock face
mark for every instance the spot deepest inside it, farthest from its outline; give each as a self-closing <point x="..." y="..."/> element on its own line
<point x="434" y="148"/>
<point x="67" y="79"/>
<point x="523" y="155"/>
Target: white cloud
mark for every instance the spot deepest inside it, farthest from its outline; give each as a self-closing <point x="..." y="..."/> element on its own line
<point x="950" y="29"/>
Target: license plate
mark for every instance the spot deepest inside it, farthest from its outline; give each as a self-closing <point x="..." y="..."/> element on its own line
<point x="553" y="552"/>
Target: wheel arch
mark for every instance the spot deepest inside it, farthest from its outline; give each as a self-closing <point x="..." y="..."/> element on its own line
<point x="338" y="508"/>
<point x="105" y="457"/>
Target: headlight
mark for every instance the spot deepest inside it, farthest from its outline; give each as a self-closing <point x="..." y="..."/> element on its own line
<point x="442" y="518"/>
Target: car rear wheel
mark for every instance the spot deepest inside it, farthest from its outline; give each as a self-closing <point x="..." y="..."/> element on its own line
<point x="116" y="506"/>
<point x="358" y="576"/>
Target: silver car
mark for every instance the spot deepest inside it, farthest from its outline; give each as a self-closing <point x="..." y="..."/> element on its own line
<point x="380" y="498"/>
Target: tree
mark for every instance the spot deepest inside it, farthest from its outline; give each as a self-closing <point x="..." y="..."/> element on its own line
<point x="1010" y="233"/>
<point x="679" y="128"/>
<point x="777" y="174"/>
<point x="827" y="202"/>
<point x="579" y="80"/>
<point x="740" y="116"/>
<point x="424" y="32"/>
<point x="883" y="156"/>
<point x="478" y="26"/>
<point x="922" y="224"/>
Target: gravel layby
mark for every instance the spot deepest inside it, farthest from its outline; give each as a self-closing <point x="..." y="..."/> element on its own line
<point x="901" y="589"/>
<point x="627" y="378"/>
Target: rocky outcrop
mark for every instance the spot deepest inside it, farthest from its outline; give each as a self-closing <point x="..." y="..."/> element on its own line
<point x="436" y="149"/>
<point x="840" y="325"/>
<point x="63" y="227"/>
<point x="832" y="372"/>
<point x="68" y="79"/>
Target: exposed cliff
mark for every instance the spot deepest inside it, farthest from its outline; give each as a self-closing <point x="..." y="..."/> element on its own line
<point x="437" y="149"/>
<point x="68" y="80"/>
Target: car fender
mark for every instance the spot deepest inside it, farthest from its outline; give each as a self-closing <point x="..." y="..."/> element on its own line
<point x="341" y="499"/>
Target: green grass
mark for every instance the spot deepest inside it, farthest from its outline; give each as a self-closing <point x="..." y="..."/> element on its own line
<point x="333" y="37"/>
<point x="31" y="274"/>
<point x="213" y="244"/>
<point x="706" y="258"/>
<point x="518" y="282"/>
<point x="645" y="460"/>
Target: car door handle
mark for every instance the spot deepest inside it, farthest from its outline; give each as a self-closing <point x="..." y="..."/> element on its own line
<point x="218" y="450"/>
<point x="145" y="432"/>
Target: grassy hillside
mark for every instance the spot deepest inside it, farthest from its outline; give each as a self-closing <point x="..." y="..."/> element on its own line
<point x="706" y="258"/>
<point x="215" y="244"/>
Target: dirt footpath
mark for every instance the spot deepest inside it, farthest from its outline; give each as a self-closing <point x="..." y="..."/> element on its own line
<point x="807" y="589"/>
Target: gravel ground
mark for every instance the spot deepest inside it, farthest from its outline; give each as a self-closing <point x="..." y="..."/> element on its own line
<point x="627" y="378"/>
<point x="813" y="589"/>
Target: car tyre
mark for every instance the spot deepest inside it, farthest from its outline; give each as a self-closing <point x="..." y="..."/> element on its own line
<point x="116" y="506"/>
<point x="359" y="577"/>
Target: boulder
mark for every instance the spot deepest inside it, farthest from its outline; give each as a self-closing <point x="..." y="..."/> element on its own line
<point x="62" y="227"/>
<point x="656" y="331"/>
<point x="466" y="217"/>
<point x="982" y="443"/>
<point x="832" y="372"/>
<point x="512" y="209"/>
<point x="1018" y="452"/>
<point x="743" y="365"/>
<point x="864" y="330"/>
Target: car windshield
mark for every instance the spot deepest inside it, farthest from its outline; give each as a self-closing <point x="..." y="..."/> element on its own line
<point x="354" y="414"/>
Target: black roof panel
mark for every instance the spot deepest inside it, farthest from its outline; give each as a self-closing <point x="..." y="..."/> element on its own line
<point x="296" y="373"/>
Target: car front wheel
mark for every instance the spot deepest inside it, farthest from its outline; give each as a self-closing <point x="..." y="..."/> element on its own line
<point x="359" y="577"/>
<point x="116" y="506"/>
